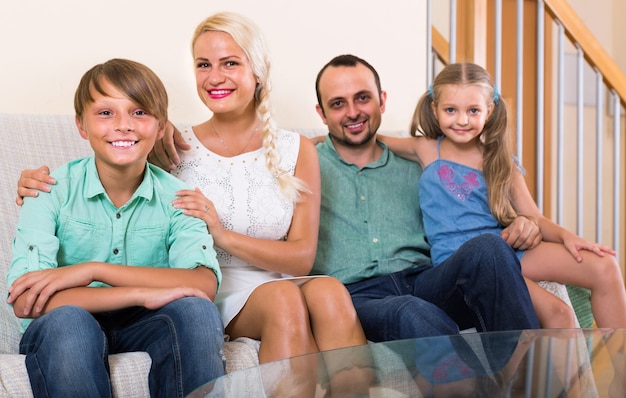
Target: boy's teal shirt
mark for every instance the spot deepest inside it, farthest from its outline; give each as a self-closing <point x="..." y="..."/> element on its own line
<point x="77" y="222"/>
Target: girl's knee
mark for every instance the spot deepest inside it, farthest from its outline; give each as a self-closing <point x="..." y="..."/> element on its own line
<point x="601" y="274"/>
<point x="607" y="270"/>
<point x="560" y="316"/>
<point x="565" y="316"/>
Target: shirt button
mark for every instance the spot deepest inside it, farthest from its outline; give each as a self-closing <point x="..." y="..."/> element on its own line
<point x="203" y="247"/>
<point x="375" y="240"/>
<point x="115" y="251"/>
<point x="362" y="197"/>
<point x="118" y="215"/>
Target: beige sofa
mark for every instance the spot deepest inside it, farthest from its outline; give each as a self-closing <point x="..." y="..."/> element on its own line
<point x="28" y="141"/>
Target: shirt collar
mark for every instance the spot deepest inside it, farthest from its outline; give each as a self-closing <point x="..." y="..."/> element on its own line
<point x="93" y="185"/>
<point x="328" y="146"/>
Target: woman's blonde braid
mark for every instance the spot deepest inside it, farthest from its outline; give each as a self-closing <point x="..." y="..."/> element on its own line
<point x="290" y="186"/>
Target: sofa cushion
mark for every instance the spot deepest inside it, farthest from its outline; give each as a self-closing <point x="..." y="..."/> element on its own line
<point x="28" y="141"/>
<point x="129" y="375"/>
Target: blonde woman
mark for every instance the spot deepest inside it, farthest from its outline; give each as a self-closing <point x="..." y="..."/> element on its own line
<point x="260" y="196"/>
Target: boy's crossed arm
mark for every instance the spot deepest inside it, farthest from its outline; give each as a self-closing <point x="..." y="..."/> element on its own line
<point x="38" y="292"/>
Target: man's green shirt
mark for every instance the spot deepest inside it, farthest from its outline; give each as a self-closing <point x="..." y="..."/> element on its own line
<point x="370" y="221"/>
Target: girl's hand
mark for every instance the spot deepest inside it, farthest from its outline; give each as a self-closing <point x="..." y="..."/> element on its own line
<point x="33" y="181"/>
<point x="39" y="286"/>
<point x="194" y="203"/>
<point x="574" y="244"/>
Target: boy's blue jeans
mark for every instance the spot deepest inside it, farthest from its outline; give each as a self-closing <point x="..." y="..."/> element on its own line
<point x="480" y="285"/>
<point x="67" y="349"/>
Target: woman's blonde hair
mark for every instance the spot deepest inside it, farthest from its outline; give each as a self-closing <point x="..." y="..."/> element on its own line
<point x="498" y="164"/>
<point x="250" y="39"/>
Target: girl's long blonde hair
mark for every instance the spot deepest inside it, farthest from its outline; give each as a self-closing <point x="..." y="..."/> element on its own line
<point x="249" y="37"/>
<point x="498" y="164"/>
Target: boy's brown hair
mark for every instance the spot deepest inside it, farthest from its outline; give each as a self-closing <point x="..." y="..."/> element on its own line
<point x="138" y="82"/>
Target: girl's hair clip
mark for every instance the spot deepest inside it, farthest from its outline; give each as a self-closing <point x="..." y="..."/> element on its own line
<point x="496" y="95"/>
<point x="431" y="92"/>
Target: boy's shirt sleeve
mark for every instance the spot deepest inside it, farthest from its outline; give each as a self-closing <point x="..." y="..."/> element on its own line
<point x="191" y="245"/>
<point x="35" y="245"/>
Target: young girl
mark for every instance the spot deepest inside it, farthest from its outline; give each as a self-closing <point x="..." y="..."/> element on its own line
<point x="472" y="185"/>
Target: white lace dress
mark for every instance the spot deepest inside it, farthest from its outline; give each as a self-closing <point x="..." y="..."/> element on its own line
<point x="248" y="200"/>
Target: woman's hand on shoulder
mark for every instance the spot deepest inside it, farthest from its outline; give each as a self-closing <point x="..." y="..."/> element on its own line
<point x="31" y="182"/>
<point x="194" y="203"/>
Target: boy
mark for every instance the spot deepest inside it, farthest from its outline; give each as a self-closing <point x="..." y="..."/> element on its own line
<point x="105" y="264"/>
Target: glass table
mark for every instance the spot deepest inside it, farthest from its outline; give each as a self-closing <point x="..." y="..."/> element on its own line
<point x="529" y="363"/>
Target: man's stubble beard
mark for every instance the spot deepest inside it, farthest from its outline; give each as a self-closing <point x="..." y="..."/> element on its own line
<point x="345" y="140"/>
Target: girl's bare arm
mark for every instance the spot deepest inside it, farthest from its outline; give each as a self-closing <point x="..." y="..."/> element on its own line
<point x="524" y="204"/>
<point x="405" y="147"/>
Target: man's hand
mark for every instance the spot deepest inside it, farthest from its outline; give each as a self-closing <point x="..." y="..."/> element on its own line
<point x="33" y="181"/>
<point x="318" y="139"/>
<point x="164" y="154"/>
<point x="522" y="234"/>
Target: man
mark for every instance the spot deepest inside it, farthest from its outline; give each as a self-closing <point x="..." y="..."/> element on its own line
<point x="372" y="238"/>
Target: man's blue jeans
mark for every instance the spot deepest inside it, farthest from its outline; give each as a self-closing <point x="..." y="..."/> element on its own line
<point x="67" y="349"/>
<point x="479" y="286"/>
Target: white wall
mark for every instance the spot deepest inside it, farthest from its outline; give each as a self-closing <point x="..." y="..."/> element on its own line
<point x="46" y="46"/>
